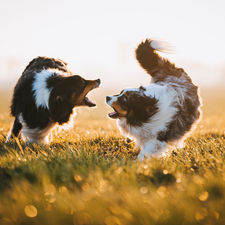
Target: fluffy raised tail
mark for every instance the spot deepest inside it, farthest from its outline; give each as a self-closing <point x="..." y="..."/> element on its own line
<point x="148" y="57"/>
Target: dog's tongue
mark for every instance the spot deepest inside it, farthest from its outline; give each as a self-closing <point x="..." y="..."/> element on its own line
<point x="89" y="102"/>
<point x="112" y="113"/>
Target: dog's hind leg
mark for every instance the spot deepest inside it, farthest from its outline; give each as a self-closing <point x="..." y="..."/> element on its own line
<point x="15" y="129"/>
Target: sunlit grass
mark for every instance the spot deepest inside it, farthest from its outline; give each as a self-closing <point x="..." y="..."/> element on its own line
<point x="90" y="175"/>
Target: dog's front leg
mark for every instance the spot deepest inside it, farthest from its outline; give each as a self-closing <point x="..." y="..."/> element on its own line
<point x="152" y="147"/>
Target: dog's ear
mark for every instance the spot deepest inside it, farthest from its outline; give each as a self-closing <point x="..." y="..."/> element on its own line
<point x="60" y="108"/>
<point x="142" y="110"/>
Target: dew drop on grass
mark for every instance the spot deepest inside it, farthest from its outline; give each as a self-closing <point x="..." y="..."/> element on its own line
<point x="178" y="180"/>
<point x="63" y="190"/>
<point x="203" y="196"/>
<point x="86" y="187"/>
<point x="30" y="210"/>
<point x="161" y="191"/>
<point x="145" y="166"/>
<point x="50" y="188"/>
<point x="201" y="214"/>
<point x="77" y="178"/>
<point x="50" y="197"/>
<point x="216" y="214"/>
<point x="144" y="190"/>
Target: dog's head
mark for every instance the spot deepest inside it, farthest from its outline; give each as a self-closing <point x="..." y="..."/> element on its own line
<point x="67" y="93"/>
<point x="134" y="104"/>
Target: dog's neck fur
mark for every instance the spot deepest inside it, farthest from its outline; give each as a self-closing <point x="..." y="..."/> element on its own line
<point x="41" y="92"/>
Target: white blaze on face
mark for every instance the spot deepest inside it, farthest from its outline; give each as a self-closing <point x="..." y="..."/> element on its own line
<point x="115" y="97"/>
<point x="118" y="105"/>
<point x="112" y="100"/>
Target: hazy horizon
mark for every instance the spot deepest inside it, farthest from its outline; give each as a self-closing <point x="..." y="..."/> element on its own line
<point x="98" y="38"/>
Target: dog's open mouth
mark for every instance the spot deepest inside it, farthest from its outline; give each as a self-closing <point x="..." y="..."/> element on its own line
<point x="91" y="85"/>
<point x="114" y="114"/>
<point x="88" y="102"/>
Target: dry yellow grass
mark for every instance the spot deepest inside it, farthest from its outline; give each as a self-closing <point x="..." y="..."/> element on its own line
<point x="88" y="175"/>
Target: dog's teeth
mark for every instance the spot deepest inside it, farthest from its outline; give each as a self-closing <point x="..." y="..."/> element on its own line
<point x="89" y="101"/>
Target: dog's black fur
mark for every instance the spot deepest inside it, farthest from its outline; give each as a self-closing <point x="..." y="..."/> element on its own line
<point x="161" y="71"/>
<point x="160" y="115"/>
<point x="66" y="91"/>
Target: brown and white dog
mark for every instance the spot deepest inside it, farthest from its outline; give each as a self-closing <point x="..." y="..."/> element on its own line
<point x="157" y="116"/>
<point x="44" y="96"/>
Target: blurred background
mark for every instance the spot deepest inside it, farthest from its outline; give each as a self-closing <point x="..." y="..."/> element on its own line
<point x="98" y="39"/>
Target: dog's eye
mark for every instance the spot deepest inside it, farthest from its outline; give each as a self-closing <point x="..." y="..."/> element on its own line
<point x="142" y="88"/>
<point x="124" y="98"/>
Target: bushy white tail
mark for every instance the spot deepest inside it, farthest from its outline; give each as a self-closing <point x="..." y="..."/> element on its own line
<point x="147" y="56"/>
<point x="161" y="45"/>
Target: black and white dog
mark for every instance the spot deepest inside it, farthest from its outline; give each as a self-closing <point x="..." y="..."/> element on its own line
<point x="44" y="96"/>
<point x="158" y="116"/>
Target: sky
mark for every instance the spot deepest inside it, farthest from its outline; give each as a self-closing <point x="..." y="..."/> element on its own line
<point x="98" y="38"/>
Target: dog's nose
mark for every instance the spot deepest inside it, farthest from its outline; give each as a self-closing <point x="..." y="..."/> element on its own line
<point x="97" y="83"/>
<point x="108" y="98"/>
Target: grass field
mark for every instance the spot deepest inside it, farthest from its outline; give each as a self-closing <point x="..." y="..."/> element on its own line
<point x="89" y="174"/>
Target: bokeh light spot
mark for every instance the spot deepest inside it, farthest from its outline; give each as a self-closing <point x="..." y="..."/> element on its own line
<point x="145" y="166"/>
<point x="77" y="178"/>
<point x="216" y="214"/>
<point x="144" y="190"/>
<point x="50" y="188"/>
<point x="30" y="210"/>
<point x="162" y="192"/>
<point x="203" y="196"/>
<point x="86" y="187"/>
<point x="178" y="180"/>
<point x="201" y="214"/>
<point x="63" y="190"/>
<point x="50" y="197"/>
